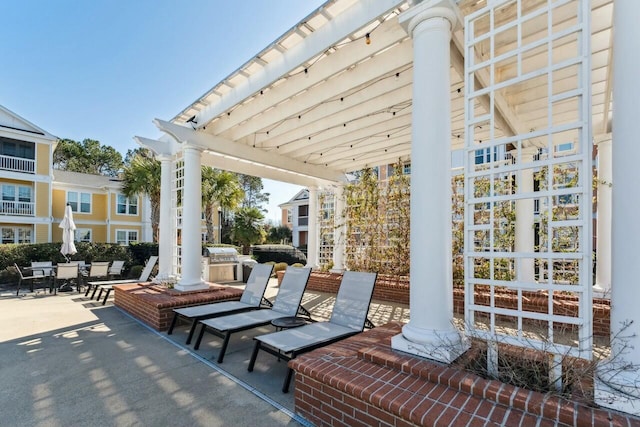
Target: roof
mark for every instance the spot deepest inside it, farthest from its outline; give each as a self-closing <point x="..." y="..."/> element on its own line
<point x="301" y="196"/>
<point x="334" y="93"/>
<point x="17" y="126"/>
<point x="77" y="179"/>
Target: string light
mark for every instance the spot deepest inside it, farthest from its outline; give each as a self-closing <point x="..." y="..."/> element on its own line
<point x="367" y="38"/>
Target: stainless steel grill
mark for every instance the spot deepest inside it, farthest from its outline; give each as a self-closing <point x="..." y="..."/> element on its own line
<point x="223" y="263"/>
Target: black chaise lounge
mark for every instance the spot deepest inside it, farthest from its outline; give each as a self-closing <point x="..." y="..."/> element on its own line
<point x="252" y="299"/>
<point x="286" y="304"/>
<point x="348" y="318"/>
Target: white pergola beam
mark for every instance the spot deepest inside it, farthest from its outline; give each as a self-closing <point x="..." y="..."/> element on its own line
<point x="232" y="149"/>
<point x="339" y="28"/>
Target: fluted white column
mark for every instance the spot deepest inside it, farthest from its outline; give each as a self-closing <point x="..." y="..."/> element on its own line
<point x="191" y="221"/>
<point x="430" y="331"/>
<point x="603" y="233"/>
<point x="524" y="238"/>
<point x="166" y="227"/>
<point x="312" y="233"/>
<point x="339" y="235"/>
<point x="617" y="382"/>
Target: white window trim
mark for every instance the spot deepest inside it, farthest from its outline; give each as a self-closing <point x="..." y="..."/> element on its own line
<point x="82" y="231"/>
<point x="128" y="205"/>
<point x="79" y="202"/>
<point x="16" y="233"/>
<point x="127" y="242"/>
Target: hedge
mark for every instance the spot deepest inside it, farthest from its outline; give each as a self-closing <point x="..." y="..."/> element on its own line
<point x="278" y="253"/>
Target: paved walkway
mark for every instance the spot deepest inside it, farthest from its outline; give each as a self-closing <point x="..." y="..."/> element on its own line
<point x="69" y="361"/>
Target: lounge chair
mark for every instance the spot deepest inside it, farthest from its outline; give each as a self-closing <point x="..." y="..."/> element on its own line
<point x="252" y="299"/>
<point x="287" y="304"/>
<point x="107" y="285"/>
<point x="348" y="318"/>
<point x="116" y="268"/>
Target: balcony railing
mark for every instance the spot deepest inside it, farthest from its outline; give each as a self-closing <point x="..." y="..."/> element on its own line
<point x="17" y="164"/>
<point x="17" y="208"/>
<point x="303" y="220"/>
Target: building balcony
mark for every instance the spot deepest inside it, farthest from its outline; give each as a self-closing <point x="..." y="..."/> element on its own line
<point x="17" y="208"/>
<point x="303" y="220"/>
<point x="17" y="164"/>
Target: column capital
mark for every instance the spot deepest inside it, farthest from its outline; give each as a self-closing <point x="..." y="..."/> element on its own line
<point x="188" y="145"/>
<point x="164" y="157"/>
<point x="426" y="10"/>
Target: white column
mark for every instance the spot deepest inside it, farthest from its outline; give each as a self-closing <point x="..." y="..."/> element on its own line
<point x="603" y="233"/>
<point x="430" y="331"/>
<point x="165" y="227"/>
<point x="191" y="222"/>
<point x="312" y="233"/>
<point x="621" y="373"/>
<point x="339" y="235"/>
<point x="525" y="241"/>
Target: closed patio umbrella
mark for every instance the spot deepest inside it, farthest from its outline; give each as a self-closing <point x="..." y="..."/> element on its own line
<point x="68" y="228"/>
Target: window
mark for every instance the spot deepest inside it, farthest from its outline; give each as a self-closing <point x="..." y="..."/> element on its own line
<point x="289" y="216"/>
<point x="303" y="210"/>
<point x="407" y="169"/>
<point x="14" y="148"/>
<point x="16" y="200"/>
<point x="126" y="237"/>
<point x="485" y="155"/>
<point x="80" y="202"/>
<point x="16" y="235"/>
<point x="83" y="235"/>
<point x="127" y="205"/>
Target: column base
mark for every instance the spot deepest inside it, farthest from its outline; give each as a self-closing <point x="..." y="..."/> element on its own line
<point x="337" y="270"/>
<point x="193" y="286"/>
<point x="313" y="266"/>
<point x="617" y="389"/>
<point x="442" y="346"/>
<point x="600" y="291"/>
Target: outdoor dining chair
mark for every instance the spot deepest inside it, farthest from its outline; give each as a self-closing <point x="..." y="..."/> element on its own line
<point x="22" y="278"/>
<point x="348" y="318"/>
<point x="252" y="299"/>
<point x="287" y="304"/>
<point x="116" y="268"/>
<point x="65" y="272"/>
<point x="98" y="270"/>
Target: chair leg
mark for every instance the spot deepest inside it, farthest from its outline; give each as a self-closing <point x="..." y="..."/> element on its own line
<point x="106" y="296"/>
<point x="173" y="323"/>
<point x="19" y="284"/>
<point x="192" y="330"/>
<point x="88" y="289"/>
<point x="197" y="345"/>
<point x="223" y="349"/>
<point x="96" y="289"/>
<point x="287" y="380"/>
<point x="254" y="356"/>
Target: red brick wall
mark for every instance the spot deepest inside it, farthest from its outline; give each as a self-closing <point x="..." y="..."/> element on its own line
<point x="154" y="306"/>
<point x="360" y="381"/>
<point x="396" y="289"/>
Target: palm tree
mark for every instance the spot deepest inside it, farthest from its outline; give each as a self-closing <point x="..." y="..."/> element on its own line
<point x="247" y="228"/>
<point x="219" y="188"/>
<point x="142" y="176"/>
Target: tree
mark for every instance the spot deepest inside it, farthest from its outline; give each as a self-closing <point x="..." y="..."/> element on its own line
<point x="253" y="195"/>
<point x="142" y="176"/>
<point x="219" y="188"/>
<point x="87" y="156"/>
<point x="279" y="234"/>
<point x="247" y="228"/>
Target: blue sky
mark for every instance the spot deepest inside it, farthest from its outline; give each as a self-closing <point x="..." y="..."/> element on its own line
<point x="104" y="69"/>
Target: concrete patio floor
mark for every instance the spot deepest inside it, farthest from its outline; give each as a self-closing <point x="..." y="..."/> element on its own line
<point x="68" y="360"/>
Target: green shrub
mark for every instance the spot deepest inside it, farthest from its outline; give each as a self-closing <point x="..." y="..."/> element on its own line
<point x="140" y="252"/>
<point x="135" y="271"/>
<point x="297" y="264"/>
<point x="281" y="266"/>
<point x="278" y="253"/>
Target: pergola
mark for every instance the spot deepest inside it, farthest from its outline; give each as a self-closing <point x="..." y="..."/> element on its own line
<point x="362" y="83"/>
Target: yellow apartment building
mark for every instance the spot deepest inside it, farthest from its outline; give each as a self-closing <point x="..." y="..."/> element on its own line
<point x="34" y="194"/>
<point x="26" y="153"/>
<point x="100" y="211"/>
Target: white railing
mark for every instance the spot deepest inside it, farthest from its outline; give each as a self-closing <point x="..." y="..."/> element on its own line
<point x="17" y="208"/>
<point x="17" y="164"/>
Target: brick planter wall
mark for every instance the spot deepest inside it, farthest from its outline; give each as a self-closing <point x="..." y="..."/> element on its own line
<point x="396" y="289"/>
<point x="360" y="381"/>
<point x="154" y="305"/>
